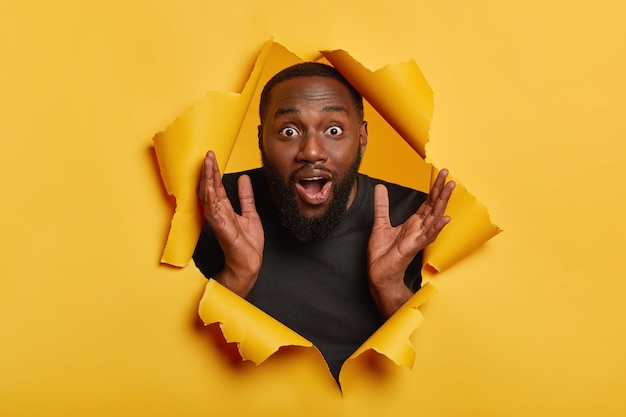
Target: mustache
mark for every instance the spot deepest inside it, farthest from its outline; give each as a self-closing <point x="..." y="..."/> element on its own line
<point x="292" y="176"/>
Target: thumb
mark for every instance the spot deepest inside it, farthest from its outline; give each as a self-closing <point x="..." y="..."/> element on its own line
<point x="381" y="207"/>
<point x="246" y="197"/>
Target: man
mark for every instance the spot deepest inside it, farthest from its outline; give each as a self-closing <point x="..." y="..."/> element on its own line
<point x="327" y="251"/>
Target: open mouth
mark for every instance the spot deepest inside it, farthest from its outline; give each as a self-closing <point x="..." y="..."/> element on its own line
<point x="313" y="185"/>
<point x="314" y="190"/>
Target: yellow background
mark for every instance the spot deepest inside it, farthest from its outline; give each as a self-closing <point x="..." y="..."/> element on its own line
<point x="529" y="115"/>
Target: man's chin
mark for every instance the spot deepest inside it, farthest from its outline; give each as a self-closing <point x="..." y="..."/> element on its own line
<point x="312" y="212"/>
<point x="308" y="229"/>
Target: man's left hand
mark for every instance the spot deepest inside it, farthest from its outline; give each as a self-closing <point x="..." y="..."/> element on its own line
<point x="391" y="249"/>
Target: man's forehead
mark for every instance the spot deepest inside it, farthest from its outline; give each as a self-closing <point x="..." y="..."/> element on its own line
<point x="302" y="91"/>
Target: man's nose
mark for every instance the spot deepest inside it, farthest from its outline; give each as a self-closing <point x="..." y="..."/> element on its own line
<point x="312" y="149"/>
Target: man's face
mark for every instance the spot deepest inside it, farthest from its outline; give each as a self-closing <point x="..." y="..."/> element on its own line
<point x="311" y="142"/>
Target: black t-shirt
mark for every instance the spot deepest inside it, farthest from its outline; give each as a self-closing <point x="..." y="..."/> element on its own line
<point x="318" y="289"/>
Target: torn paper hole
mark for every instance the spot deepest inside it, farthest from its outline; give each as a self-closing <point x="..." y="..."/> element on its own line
<point x="226" y="123"/>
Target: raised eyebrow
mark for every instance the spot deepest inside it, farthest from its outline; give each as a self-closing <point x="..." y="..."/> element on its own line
<point x="283" y="111"/>
<point x="331" y="109"/>
<point x="292" y="110"/>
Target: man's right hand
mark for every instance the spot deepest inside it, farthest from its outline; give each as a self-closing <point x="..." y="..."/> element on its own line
<point x="241" y="237"/>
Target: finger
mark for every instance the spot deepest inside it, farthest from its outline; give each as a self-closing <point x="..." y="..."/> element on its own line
<point x="431" y="234"/>
<point x="203" y="185"/>
<point x="206" y="187"/>
<point x="425" y="235"/>
<point x="439" y="208"/>
<point x="439" y="184"/>
<point x="442" y="199"/>
<point x="213" y="195"/>
<point x="212" y="188"/>
<point x="213" y="178"/>
<point x="246" y="197"/>
<point x="433" y="209"/>
<point x="428" y="206"/>
<point x="381" y="207"/>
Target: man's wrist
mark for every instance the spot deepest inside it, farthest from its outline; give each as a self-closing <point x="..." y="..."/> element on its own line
<point x="239" y="283"/>
<point x="390" y="298"/>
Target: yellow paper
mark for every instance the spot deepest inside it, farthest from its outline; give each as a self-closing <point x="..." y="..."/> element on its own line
<point x="470" y="227"/>
<point x="245" y="154"/>
<point x="399" y="94"/>
<point x="91" y="325"/>
<point x="257" y="334"/>
<point x="391" y="342"/>
<point x="392" y="338"/>
<point x="211" y="124"/>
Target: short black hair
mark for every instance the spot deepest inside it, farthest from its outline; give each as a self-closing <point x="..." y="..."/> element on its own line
<point x="308" y="69"/>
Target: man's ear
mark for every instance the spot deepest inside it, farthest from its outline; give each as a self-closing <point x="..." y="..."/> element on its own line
<point x="259" y="135"/>
<point x="363" y="136"/>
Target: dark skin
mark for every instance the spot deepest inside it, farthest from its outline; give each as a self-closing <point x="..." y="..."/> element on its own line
<point x="311" y="123"/>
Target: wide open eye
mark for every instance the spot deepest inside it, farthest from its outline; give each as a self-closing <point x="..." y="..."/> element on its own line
<point x="334" y="131"/>
<point x="288" y="132"/>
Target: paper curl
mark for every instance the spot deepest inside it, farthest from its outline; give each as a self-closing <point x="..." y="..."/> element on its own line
<point x="258" y="335"/>
<point x="225" y="123"/>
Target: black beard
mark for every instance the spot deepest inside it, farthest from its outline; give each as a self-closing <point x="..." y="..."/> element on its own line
<point x="308" y="228"/>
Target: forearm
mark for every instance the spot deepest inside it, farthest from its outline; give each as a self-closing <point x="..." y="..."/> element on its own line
<point x="239" y="283"/>
<point x="390" y="298"/>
